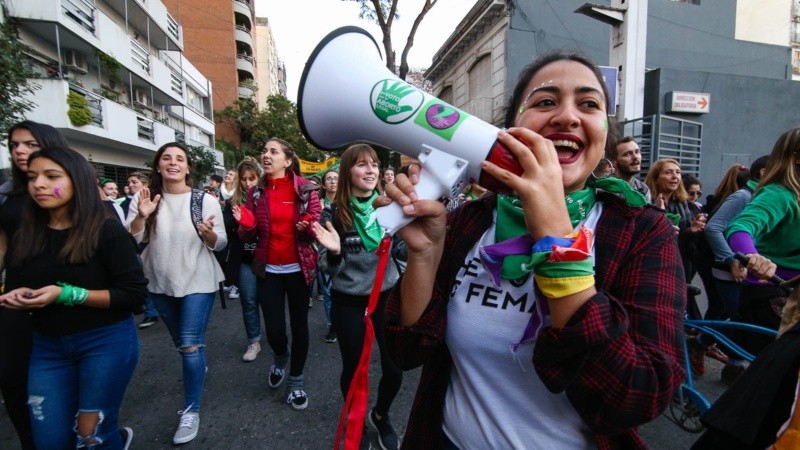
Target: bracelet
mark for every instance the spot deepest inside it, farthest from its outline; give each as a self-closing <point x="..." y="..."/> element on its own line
<point x="71" y="295"/>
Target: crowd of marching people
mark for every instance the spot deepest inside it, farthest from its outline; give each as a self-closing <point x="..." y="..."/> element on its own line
<point x="532" y="312"/>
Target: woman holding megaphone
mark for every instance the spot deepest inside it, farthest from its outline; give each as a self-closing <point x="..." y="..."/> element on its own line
<point x="551" y="318"/>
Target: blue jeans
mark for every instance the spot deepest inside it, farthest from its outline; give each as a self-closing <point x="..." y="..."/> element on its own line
<point x="149" y="308"/>
<point x="84" y="372"/>
<point x="324" y="288"/>
<point x="250" y="308"/>
<point x="187" y="319"/>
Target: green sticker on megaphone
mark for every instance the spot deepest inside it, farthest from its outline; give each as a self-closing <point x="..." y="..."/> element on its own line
<point x="440" y="118"/>
<point x="394" y="101"/>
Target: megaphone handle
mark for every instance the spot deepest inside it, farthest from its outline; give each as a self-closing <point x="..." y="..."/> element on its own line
<point x="391" y="218"/>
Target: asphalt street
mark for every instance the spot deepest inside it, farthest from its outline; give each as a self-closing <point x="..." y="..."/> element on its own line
<point x="241" y="412"/>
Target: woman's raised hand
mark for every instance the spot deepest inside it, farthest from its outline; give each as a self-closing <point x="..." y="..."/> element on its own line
<point x="146" y="205"/>
<point x="327" y="237"/>
<point x="540" y="187"/>
<point x="236" y="212"/>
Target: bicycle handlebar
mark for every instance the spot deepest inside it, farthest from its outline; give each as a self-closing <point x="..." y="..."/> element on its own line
<point x="776" y="280"/>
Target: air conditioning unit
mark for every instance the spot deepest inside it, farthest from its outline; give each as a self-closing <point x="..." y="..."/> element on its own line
<point x="141" y="98"/>
<point x="75" y="61"/>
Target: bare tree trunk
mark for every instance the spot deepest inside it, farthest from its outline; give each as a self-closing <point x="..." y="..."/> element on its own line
<point x="386" y="29"/>
<point x="410" y="40"/>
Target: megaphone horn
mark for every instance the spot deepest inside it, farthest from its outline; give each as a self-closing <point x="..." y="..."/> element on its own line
<point x="347" y="95"/>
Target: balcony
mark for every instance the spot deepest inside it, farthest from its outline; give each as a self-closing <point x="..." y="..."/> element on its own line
<point x="149" y="18"/>
<point x="245" y="64"/>
<point x="243" y="35"/>
<point x="247" y="90"/>
<point x="113" y="125"/>
<point x="243" y="7"/>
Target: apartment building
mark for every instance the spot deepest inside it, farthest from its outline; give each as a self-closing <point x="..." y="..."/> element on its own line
<point x="271" y="72"/>
<point x="122" y="62"/>
<point x="219" y="40"/>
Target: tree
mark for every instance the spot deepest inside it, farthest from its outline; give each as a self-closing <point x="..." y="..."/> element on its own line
<point x="278" y="119"/>
<point x="203" y="162"/>
<point x="14" y="74"/>
<point x="384" y="12"/>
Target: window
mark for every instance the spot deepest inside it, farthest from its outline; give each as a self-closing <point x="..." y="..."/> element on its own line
<point x="447" y="94"/>
<point x="480" y="78"/>
<point x="194" y="99"/>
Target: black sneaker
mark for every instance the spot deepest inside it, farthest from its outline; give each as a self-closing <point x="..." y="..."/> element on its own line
<point x="330" y="338"/>
<point x="387" y="437"/>
<point x="148" y="321"/>
<point x="298" y="399"/>
<point x="276" y="376"/>
<point x="126" y="435"/>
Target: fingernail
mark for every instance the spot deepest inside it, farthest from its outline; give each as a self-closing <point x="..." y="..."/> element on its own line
<point x="408" y="209"/>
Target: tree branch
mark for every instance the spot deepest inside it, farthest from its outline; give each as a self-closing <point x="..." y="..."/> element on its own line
<point x="410" y="40"/>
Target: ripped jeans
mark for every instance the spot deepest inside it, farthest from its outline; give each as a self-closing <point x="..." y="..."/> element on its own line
<point x="85" y="372"/>
<point x="186" y="319"/>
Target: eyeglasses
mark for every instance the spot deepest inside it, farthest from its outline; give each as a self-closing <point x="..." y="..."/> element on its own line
<point x="695" y="193"/>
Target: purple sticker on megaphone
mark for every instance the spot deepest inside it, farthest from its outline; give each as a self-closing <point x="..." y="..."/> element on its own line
<point x="441" y="116"/>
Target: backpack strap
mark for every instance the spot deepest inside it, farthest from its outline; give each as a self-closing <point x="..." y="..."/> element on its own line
<point x="196" y="209"/>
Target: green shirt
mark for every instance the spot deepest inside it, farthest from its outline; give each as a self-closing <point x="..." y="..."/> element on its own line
<point x="772" y="218"/>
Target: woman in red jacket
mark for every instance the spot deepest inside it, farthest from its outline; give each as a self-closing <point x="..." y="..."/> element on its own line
<point x="284" y="262"/>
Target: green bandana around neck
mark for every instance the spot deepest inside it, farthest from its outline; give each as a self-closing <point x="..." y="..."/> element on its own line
<point x="365" y="219"/>
<point x="511" y="218"/>
<point x="752" y="185"/>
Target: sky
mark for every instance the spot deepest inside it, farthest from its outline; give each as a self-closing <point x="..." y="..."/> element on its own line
<point x="299" y="25"/>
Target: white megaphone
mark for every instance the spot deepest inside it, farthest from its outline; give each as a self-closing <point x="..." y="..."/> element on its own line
<point x="347" y="95"/>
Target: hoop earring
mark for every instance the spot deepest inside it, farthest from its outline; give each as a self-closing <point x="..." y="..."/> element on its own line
<point x="597" y="173"/>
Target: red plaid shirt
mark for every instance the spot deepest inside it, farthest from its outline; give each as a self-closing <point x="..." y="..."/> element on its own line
<point x="619" y="359"/>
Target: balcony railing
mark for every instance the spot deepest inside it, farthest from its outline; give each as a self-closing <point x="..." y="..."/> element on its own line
<point x="244" y="2"/>
<point x="243" y="28"/>
<point x="140" y="55"/>
<point x="146" y="129"/>
<point x="81" y="11"/>
<point x="173" y="27"/>
<point x="175" y="82"/>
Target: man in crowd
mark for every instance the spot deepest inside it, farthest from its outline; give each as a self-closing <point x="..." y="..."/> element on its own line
<point x="627" y="161"/>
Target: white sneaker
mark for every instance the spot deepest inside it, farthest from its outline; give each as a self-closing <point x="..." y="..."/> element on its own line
<point x="187" y="428"/>
<point x="233" y="292"/>
<point x="252" y="352"/>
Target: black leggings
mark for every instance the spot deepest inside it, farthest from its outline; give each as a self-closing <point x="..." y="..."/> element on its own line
<point x="348" y="323"/>
<point x="274" y="291"/>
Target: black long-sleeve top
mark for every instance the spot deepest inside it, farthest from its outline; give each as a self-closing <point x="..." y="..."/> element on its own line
<point x="115" y="267"/>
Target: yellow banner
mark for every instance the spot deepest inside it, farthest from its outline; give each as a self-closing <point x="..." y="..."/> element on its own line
<point x="315" y="167"/>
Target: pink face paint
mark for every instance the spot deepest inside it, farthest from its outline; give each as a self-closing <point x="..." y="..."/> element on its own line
<point x="57" y="192"/>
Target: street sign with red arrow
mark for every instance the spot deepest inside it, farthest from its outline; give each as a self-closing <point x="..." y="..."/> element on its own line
<point x="688" y="102"/>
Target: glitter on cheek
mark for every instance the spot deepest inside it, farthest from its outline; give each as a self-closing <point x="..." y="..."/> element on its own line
<point x="57" y="192"/>
<point x="521" y="109"/>
<point x="604" y="124"/>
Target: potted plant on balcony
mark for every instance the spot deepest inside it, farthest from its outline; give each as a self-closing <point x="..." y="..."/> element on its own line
<point x="78" y="112"/>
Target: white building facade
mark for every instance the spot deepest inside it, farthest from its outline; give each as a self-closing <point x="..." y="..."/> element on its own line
<point x="125" y="58"/>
